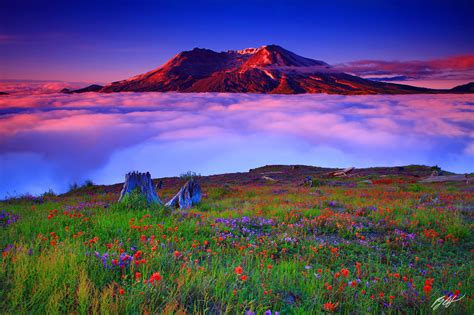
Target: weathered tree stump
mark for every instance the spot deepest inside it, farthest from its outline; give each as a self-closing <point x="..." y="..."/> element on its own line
<point x="188" y="195"/>
<point x="143" y="184"/>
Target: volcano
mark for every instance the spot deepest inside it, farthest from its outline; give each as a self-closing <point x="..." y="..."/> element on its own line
<point x="268" y="69"/>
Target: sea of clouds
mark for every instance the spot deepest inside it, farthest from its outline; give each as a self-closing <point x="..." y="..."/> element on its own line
<point x="52" y="140"/>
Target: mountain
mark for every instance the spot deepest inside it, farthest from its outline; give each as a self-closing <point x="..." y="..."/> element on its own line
<point x="268" y="69"/>
<point x="466" y="88"/>
<point x="90" y="88"/>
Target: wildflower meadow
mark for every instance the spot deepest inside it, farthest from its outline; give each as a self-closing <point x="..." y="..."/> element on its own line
<point x="353" y="246"/>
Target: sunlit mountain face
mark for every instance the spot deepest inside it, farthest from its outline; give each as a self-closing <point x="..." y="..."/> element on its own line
<point x="268" y="69"/>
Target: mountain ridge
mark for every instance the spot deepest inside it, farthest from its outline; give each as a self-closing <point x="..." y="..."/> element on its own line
<point x="269" y="69"/>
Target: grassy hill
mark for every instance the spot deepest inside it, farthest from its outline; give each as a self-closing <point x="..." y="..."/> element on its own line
<point x="260" y="241"/>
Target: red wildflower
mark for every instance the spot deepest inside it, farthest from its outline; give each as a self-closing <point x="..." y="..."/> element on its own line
<point x="427" y="289"/>
<point x="358" y="269"/>
<point x="156" y="276"/>
<point x="121" y="291"/>
<point x="138" y="254"/>
<point x="243" y="277"/>
<point x="329" y="306"/>
<point x="428" y="286"/>
<point x="345" y="272"/>
<point x="137" y="275"/>
<point x="238" y="270"/>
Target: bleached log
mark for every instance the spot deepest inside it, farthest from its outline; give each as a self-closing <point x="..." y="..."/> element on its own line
<point x="447" y="178"/>
<point x="341" y="173"/>
<point x="141" y="182"/>
<point x="269" y="178"/>
<point x="188" y="196"/>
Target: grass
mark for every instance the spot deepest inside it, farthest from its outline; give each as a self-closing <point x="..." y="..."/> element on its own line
<point x="383" y="248"/>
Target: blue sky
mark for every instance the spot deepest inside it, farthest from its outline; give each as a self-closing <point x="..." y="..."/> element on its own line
<point x="102" y="41"/>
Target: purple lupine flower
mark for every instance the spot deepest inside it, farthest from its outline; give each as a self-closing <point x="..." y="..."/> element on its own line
<point x="7" y="218"/>
<point x="8" y="248"/>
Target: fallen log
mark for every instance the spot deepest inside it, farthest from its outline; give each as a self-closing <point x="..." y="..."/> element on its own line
<point x="141" y="183"/>
<point x="341" y="173"/>
<point x="446" y="178"/>
<point x="268" y="178"/>
<point x="188" y="196"/>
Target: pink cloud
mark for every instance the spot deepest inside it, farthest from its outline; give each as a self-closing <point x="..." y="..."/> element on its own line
<point x="79" y="135"/>
<point x="36" y="87"/>
<point x="459" y="69"/>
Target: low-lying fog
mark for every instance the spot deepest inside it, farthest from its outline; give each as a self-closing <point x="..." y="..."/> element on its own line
<point x="48" y="141"/>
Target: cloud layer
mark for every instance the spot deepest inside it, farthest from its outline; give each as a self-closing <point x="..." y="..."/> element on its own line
<point x="28" y="87"/>
<point x="456" y="69"/>
<point x="50" y="141"/>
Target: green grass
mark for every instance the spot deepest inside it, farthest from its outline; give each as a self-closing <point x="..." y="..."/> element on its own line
<point x="293" y="252"/>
